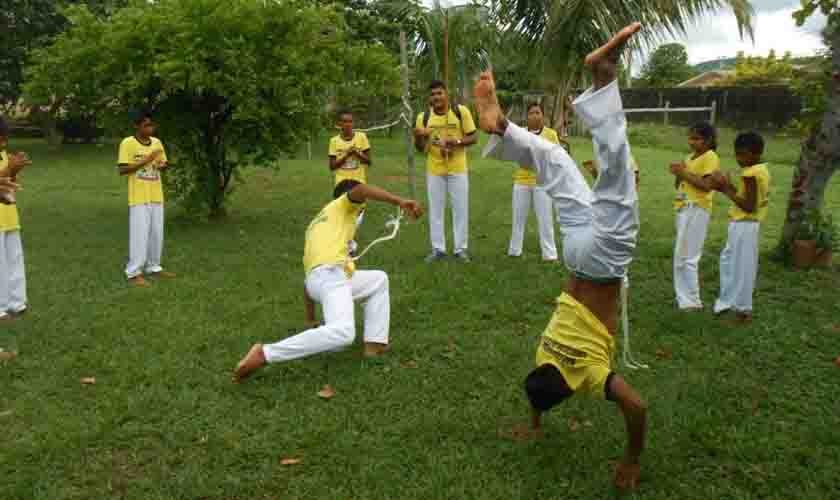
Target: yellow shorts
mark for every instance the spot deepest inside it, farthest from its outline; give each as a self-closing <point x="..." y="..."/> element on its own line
<point x="579" y="345"/>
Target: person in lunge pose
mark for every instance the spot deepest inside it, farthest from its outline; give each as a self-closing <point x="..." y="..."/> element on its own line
<point x="600" y="227"/>
<point x="333" y="281"/>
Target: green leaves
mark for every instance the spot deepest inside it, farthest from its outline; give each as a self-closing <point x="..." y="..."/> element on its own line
<point x="667" y="66"/>
<point x="231" y="83"/>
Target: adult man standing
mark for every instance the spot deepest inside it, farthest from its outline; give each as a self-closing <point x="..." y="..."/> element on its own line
<point x="443" y="133"/>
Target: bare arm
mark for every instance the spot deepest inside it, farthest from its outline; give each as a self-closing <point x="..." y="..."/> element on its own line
<point x="421" y="138"/>
<point x="336" y="163"/>
<point x="635" y="418"/>
<point x="16" y="162"/>
<point x="750" y="200"/>
<point x="134" y="167"/>
<point x="363" y="192"/>
<point x="364" y="157"/>
<point x="310" y="308"/>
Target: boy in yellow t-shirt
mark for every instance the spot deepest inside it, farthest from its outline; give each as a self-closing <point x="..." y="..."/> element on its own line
<point x="13" y="302"/>
<point x="693" y="203"/>
<point x="142" y="158"/>
<point x="739" y="258"/>
<point x="349" y="152"/>
<point x="443" y="133"/>
<point x="332" y="280"/>
<point x="525" y="189"/>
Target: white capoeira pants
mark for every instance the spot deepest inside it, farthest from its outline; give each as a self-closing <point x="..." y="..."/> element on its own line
<point x="692" y="225"/>
<point x="738" y="267"/>
<point x="330" y="286"/>
<point x="12" y="274"/>
<point x="457" y="187"/>
<point x="145" y="237"/>
<point x="543" y="207"/>
<point x="600" y="225"/>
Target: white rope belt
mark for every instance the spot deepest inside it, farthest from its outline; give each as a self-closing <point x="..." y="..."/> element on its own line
<point x="394" y="224"/>
<point x="627" y="353"/>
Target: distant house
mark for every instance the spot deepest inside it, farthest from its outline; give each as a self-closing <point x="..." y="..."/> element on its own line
<point x="708" y="79"/>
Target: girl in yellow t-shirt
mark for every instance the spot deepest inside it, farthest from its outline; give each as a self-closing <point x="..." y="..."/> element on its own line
<point x="13" y="301"/>
<point x="695" y="184"/>
<point x="525" y="189"/>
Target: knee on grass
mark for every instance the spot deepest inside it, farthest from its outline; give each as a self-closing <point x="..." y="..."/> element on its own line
<point x="546" y="388"/>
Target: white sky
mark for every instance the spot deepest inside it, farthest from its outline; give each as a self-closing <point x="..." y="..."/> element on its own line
<point x="716" y="36"/>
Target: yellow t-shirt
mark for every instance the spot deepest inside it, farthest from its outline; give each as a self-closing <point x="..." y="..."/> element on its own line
<point x="352" y="168"/>
<point x="706" y="164"/>
<point x="329" y="235"/>
<point x="525" y="176"/>
<point x="447" y="127"/>
<point x="579" y="345"/>
<point x="9" y="220"/>
<point x="762" y="180"/>
<point x="144" y="185"/>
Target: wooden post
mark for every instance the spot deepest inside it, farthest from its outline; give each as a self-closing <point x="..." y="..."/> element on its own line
<point x="667" y="107"/>
<point x="714" y="112"/>
<point x="409" y="139"/>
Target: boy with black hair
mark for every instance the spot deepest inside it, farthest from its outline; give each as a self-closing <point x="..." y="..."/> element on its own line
<point x="443" y="133"/>
<point x="600" y="227"/>
<point x="142" y="158"/>
<point x="349" y="152"/>
<point x="739" y="259"/>
<point x="333" y="281"/>
<point x="13" y="302"/>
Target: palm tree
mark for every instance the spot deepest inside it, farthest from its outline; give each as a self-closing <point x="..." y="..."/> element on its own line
<point x="451" y="44"/>
<point x="564" y="31"/>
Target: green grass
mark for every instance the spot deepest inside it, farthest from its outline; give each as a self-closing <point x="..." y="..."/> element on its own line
<point x="734" y="414"/>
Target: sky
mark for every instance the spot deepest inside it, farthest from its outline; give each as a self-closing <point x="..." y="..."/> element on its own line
<point x="716" y="35"/>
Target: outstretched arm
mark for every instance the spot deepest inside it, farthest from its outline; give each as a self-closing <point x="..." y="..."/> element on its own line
<point x="364" y="192"/>
<point x="635" y="418"/>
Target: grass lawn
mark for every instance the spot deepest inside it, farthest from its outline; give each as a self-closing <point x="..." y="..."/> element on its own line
<point x="737" y="414"/>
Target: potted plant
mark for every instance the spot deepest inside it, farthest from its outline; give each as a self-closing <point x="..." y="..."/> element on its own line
<point x="804" y="250"/>
<point x="828" y="240"/>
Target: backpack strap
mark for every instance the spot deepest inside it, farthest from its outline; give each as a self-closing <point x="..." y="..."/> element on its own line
<point x="456" y="110"/>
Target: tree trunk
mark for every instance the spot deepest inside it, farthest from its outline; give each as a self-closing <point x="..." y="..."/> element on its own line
<point x="819" y="159"/>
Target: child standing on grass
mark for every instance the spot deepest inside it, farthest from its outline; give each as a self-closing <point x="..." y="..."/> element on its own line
<point x="693" y="179"/>
<point x="349" y="152"/>
<point x="12" y="270"/>
<point x="525" y="188"/>
<point x="739" y="258"/>
<point x="142" y="159"/>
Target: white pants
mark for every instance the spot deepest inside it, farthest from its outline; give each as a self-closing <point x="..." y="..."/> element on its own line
<point x="145" y="236"/>
<point x="457" y="187"/>
<point x="12" y="273"/>
<point x="522" y="195"/>
<point x="692" y="224"/>
<point x="738" y="267"/>
<point x="329" y="286"/>
<point x="600" y="225"/>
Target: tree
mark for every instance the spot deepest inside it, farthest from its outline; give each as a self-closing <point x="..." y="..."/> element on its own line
<point x="231" y="83"/>
<point x="566" y="30"/>
<point x="27" y="24"/>
<point x="667" y="67"/>
<point x="761" y="71"/>
<point x="820" y="156"/>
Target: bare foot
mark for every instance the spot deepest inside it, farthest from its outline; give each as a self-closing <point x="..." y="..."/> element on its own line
<point x="521" y="433"/>
<point x="373" y="349"/>
<point x="487" y="104"/>
<point x="604" y="59"/>
<point x="254" y="360"/>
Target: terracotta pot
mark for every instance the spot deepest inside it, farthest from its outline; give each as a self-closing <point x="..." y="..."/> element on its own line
<point x="804" y="253"/>
<point x="824" y="258"/>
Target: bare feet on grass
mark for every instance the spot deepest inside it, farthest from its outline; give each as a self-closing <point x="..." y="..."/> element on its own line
<point x="604" y="60"/>
<point x="490" y="116"/>
<point x="374" y="350"/>
<point x="253" y="361"/>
